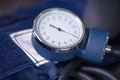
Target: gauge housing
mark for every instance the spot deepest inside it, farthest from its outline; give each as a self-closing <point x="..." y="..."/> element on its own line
<point x="37" y="35"/>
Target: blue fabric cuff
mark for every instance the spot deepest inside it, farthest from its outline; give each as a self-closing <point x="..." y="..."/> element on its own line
<point x="12" y="59"/>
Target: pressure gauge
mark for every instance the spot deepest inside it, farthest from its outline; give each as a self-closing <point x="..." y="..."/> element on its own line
<point x="59" y="29"/>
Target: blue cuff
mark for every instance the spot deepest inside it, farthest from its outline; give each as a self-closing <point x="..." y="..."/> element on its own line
<point x="12" y="59"/>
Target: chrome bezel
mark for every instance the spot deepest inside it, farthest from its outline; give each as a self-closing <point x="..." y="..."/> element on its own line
<point x="57" y="50"/>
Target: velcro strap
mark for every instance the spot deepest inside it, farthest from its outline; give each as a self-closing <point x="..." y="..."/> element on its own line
<point x="12" y="58"/>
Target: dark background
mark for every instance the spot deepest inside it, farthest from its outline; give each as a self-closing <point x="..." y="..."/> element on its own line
<point x="7" y="6"/>
<point x="104" y="14"/>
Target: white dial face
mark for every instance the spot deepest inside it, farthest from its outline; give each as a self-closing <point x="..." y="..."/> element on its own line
<point x="59" y="28"/>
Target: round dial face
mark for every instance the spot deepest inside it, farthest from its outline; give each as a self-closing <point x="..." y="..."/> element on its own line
<point x="59" y="28"/>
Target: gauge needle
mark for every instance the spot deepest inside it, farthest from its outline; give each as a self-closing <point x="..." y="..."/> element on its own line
<point x="59" y="29"/>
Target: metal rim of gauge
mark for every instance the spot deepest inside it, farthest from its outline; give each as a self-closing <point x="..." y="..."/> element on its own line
<point x="42" y="15"/>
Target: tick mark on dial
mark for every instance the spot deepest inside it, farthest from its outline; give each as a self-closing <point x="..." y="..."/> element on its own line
<point x="47" y="37"/>
<point x="70" y="40"/>
<point x="44" y="33"/>
<point x="42" y="28"/>
<point x="53" y="41"/>
<point x="65" y="42"/>
<point x="44" y="23"/>
<point x="75" y="32"/>
<point x="59" y="17"/>
<point x="53" y="17"/>
<point x="59" y="43"/>
<point x="48" y="19"/>
<point x="74" y="26"/>
<point x="65" y="19"/>
<point x="70" y="22"/>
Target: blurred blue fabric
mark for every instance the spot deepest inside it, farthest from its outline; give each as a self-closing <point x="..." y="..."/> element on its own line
<point x="23" y="19"/>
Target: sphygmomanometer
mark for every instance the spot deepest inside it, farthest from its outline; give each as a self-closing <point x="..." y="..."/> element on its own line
<point x="61" y="36"/>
